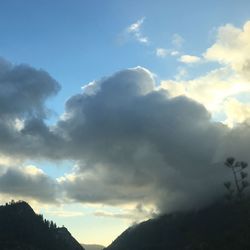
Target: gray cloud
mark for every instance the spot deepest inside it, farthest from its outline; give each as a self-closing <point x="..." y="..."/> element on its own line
<point x="23" y="92"/>
<point x="237" y="142"/>
<point x="34" y="184"/>
<point x="135" y="144"/>
<point x="135" y="214"/>
<point x="24" y="89"/>
<point x="132" y="142"/>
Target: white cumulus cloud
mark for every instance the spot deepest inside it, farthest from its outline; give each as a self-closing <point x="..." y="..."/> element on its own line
<point x="232" y="48"/>
<point x="231" y="79"/>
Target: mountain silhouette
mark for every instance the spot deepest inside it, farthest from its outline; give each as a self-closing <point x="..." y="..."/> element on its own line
<point x="92" y="247"/>
<point x="22" y="229"/>
<point x="221" y="226"/>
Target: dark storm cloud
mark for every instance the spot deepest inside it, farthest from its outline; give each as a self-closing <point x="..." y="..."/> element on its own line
<point x="131" y="142"/>
<point x="135" y="144"/>
<point x="24" y="89"/>
<point x="237" y="142"/>
<point x="23" y="92"/>
<point x="29" y="183"/>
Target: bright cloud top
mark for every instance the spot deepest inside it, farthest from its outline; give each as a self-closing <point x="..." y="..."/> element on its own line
<point x="232" y="48"/>
<point x="230" y="80"/>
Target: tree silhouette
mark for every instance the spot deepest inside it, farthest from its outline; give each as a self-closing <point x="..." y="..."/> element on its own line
<point x="239" y="184"/>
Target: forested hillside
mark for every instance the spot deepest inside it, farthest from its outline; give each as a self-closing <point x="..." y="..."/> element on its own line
<point x="22" y="229"/>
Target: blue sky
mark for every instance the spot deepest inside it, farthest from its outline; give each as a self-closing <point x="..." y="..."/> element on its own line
<point x="76" y="42"/>
<point x="180" y="46"/>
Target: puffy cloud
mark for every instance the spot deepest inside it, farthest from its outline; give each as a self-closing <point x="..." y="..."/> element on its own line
<point x="189" y="59"/>
<point x="34" y="140"/>
<point x="211" y="89"/>
<point x="23" y="92"/>
<point x="236" y="142"/>
<point x="137" y="145"/>
<point x="229" y="80"/>
<point x="232" y="47"/>
<point x="24" y="89"/>
<point x="5" y="161"/>
<point x="236" y="112"/>
<point x="29" y="182"/>
<point x="132" y="141"/>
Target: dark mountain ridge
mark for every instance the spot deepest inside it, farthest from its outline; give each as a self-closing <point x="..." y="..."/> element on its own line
<point x="221" y="226"/>
<point x="22" y="229"/>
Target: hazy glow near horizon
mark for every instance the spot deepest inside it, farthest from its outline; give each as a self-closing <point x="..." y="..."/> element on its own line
<point x="94" y="127"/>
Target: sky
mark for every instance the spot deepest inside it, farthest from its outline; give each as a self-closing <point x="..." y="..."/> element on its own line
<point x="112" y="112"/>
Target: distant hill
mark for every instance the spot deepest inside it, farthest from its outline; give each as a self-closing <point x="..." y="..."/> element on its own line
<point x="22" y="229"/>
<point x="218" y="227"/>
<point x="92" y="247"/>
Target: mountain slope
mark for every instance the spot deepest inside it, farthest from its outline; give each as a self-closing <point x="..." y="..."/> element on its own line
<point x="21" y="228"/>
<point x="218" y="227"/>
<point x="92" y="247"/>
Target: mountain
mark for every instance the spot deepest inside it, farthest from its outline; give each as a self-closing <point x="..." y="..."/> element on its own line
<point x="221" y="226"/>
<point x="22" y="229"/>
<point x="92" y="247"/>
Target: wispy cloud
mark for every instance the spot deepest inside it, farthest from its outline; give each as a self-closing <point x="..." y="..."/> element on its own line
<point x="134" y="30"/>
<point x="65" y="213"/>
<point x="189" y="59"/>
<point x="161" y="52"/>
<point x="174" y="53"/>
<point x="134" y="214"/>
<point x="177" y="40"/>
